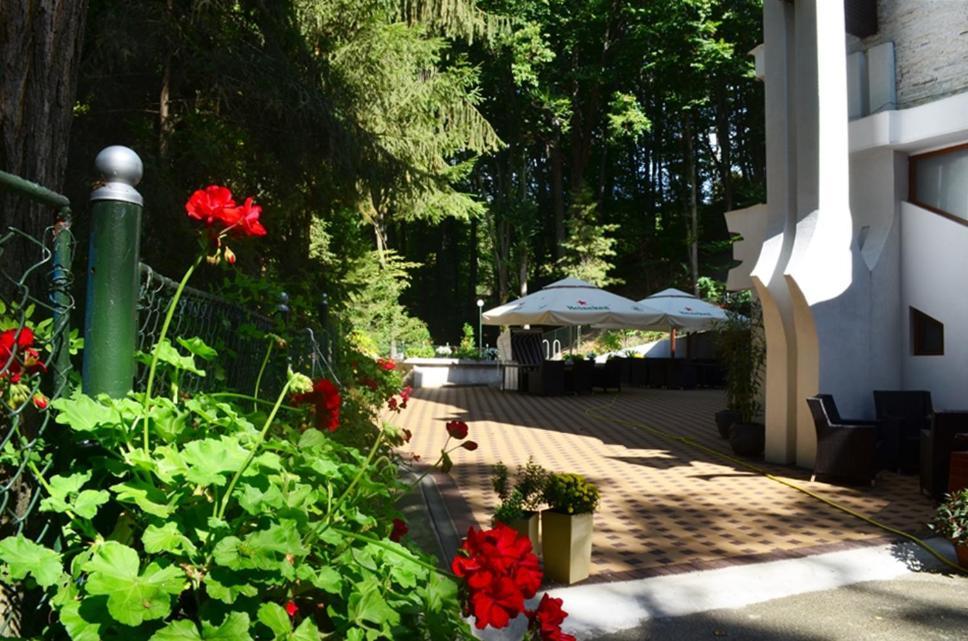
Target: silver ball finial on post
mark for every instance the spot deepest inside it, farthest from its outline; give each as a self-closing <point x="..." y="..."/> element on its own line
<point x="121" y="169"/>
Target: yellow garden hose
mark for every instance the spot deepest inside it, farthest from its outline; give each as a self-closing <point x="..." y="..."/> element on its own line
<point x="689" y="442"/>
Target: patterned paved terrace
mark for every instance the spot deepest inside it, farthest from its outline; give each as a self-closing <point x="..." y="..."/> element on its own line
<point x="666" y="507"/>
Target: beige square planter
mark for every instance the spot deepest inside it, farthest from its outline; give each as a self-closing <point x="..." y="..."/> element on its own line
<point x="566" y="546"/>
<point x="528" y="527"/>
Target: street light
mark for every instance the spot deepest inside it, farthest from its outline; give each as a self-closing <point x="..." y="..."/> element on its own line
<point x="480" y="327"/>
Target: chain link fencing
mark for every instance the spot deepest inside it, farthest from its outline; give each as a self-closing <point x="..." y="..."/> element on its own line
<point x="35" y="368"/>
<point x="241" y="337"/>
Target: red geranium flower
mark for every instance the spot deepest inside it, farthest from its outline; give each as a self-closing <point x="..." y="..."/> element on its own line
<point x="457" y="429"/>
<point x="17" y="354"/>
<point x="500" y="572"/>
<point x="399" y="529"/>
<point x="405" y="396"/>
<point x="215" y="207"/>
<point x="291" y="608"/>
<point x="325" y="399"/>
<point x="386" y="364"/>
<point x="392" y="404"/>
<point x="546" y="620"/>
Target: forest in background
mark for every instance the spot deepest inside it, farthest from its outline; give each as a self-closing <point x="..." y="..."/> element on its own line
<point x="413" y="156"/>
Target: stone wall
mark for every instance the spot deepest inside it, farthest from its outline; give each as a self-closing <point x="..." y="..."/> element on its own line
<point x="930" y="47"/>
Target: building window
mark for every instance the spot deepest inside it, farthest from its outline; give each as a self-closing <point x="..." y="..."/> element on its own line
<point x="927" y="334"/>
<point x="939" y="181"/>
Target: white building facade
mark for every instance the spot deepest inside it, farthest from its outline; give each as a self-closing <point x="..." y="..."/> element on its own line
<point x="860" y="254"/>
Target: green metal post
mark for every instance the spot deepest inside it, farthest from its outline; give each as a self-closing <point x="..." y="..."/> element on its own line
<point x="111" y="316"/>
<point x="60" y="298"/>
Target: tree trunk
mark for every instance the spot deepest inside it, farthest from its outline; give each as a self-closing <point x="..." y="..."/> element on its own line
<point x="40" y="53"/>
<point x="558" y="196"/>
<point x="164" y="96"/>
<point x="693" y="203"/>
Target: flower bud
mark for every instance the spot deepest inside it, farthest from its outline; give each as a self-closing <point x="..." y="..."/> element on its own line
<point x="40" y="401"/>
<point x="300" y="383"/>
<point x="229" y="255"/>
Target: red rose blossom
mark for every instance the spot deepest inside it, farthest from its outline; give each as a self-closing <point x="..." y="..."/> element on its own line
<point x="470" y="446"/>
<point x="325" y="399"/>
<point x="399" y="530"/>
<point x="392" y="404"/>
<point x="457" y="429"/>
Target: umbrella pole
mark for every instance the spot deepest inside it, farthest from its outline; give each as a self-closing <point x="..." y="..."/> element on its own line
<point x="672" y="341"/>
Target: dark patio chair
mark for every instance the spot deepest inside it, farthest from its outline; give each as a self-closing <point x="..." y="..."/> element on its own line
<point x="903" y="414"/>
<point x="584" y="374"/>
<point x="638" y="372"/>
<point x="548" y="379"/>
<point x="845" y="449"/>
<point x="937" y="444"/>
<point x="608" y="376"/>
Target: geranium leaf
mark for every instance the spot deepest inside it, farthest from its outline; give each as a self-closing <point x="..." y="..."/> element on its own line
<point x="82" y="413"/>
<point x="208" y="459"/>
<point x="23" y="557"/>
<point x="366" y="603"/>
<point x="133" y="596"/>
<point x="197" y="346"/>
<point x="168" y="355"/>
<point x="166" y="538"/>
<point x="226" y="585"/>
<point x="182" y="630"/>
<point x="88" y="501"/>
<point x="235" y="627"/>
<point x="66" y="495"/>
<point x="307" y="631"/>
<point x="147" y="497"/>
<point x="275" y="618"/>
<point x="82" y="627"/>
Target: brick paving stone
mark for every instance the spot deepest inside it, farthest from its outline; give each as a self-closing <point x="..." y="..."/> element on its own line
<point x="665" y="505"/>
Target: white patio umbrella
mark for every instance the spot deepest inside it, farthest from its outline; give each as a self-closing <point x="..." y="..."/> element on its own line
<point x="684" y="310"/>
<point x="569" y="302"/>
<point x="680" y="311"/>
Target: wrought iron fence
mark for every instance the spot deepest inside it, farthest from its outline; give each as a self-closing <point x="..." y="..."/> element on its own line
<point x="35" y="367"/>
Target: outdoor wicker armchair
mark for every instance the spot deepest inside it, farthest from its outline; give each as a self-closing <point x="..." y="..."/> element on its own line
<point x="902" y="415"/>
<point x="845" y="449"/>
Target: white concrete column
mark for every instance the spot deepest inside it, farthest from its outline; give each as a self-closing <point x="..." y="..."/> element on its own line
<point x="821" y="268"/>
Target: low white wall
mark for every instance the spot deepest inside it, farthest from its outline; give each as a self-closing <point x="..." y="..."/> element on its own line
<point x="444" y="372"/>
<point x="934" y="263"/>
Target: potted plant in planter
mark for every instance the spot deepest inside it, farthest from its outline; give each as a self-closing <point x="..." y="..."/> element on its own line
<point x="566" y="527"/>
<point x="740" y="346"/>
<point x="951" y="521"/>
<point x="520" y="505"/>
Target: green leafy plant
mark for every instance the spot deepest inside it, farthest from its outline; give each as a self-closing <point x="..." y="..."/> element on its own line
<point x="226" y="516"/>
<point x="530" y="483"/>
<point x="511" y="508"/>
<point x="741" y="348"/>
<point x="951" y="518"/>
<point x="526" y="495"/>
<point x="571" y="494"/>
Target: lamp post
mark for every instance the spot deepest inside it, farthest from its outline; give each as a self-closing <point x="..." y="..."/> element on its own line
<point x="480" y="327"/>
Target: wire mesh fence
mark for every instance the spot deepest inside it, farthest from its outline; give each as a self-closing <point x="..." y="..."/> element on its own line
<point x="243" y="339"/>
<point x="35" y="345"/>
